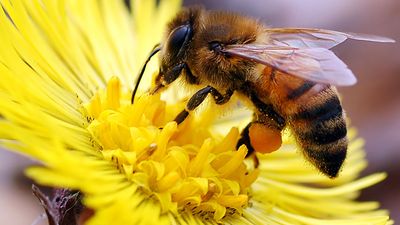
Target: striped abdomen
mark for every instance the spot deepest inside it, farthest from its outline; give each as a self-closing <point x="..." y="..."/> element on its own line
<point x="315" y="114"/>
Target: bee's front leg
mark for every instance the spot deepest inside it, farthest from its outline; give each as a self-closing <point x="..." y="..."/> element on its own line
<point x="199" y="97"/>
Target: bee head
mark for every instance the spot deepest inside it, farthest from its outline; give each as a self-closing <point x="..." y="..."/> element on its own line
<point x="176" y="44"/>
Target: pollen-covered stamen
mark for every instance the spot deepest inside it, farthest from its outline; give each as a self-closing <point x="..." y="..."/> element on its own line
<point x="208" y="177"/>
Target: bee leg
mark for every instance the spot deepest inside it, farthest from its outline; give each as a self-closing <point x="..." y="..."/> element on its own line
<point x="263" y="134"/>
<point x="199" y="97"/>
<point x="255" y="160"/>
<point x="191" y="79"/>
<point x="267" y="113"/>
<point x="245" y="140"/>
<point x="173" y="74"/>
<point x="165" y="78"/>
<point x="260" y="136"/>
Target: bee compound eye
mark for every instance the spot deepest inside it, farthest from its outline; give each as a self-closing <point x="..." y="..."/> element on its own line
<point x="178" y="37"/>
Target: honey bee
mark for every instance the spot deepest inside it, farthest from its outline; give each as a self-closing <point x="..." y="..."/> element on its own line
<point x="289" y="75"/>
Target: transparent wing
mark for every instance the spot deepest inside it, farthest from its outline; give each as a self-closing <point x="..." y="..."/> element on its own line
<point x="316" y="38"/>
<point x="316" y="64"/>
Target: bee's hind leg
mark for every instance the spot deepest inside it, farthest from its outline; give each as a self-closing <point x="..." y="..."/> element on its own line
<point x="245" y="140"/>
<point x="260" y="137"/>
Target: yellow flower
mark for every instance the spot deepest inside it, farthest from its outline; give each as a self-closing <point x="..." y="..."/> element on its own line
<point x="66" y="73"/>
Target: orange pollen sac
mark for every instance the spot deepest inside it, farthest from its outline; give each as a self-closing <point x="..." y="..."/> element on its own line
<point x="264" y="139"/>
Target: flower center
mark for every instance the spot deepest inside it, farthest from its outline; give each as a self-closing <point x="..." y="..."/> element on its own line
<point x="185" y="167"/>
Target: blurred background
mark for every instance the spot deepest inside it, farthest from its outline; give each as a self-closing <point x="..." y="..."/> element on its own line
<point x="373" y="104"/>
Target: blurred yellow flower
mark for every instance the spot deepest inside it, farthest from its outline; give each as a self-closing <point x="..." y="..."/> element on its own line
<point x="66" y="72"/>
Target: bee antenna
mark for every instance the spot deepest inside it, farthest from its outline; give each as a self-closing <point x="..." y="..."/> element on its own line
<point x="156" y="49"/>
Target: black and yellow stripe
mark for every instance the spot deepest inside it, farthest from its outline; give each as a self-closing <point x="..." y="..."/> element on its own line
<point x="320" y="129"/>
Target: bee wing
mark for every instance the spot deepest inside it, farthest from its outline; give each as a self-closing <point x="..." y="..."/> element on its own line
<point x="317" y="38"/>
<point x="315" y="64"/>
